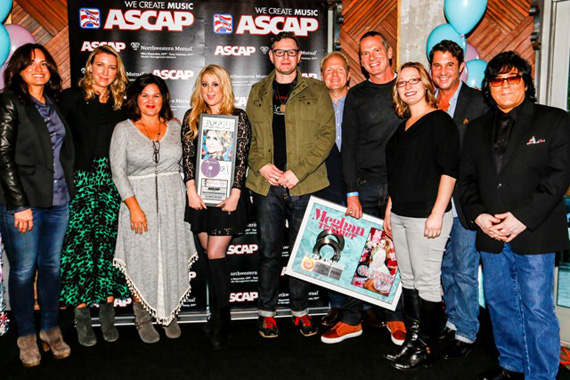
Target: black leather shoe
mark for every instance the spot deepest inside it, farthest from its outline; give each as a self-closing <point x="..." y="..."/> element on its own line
<point x="447" y="336"/>
<point x="371" y="318"/>
<point x="417" y="354"/>
<point x="332" y="317"/>
<point x="456" y="349"/>
<point x="500" y="373"/>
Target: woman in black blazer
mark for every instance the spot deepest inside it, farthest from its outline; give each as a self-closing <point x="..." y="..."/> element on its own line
<point x="36" y="178"/>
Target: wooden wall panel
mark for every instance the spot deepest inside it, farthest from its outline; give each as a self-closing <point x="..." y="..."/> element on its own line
<point x="505" y="26"/>
<point x="47" y="21"/>
<point x="361" y="16"/>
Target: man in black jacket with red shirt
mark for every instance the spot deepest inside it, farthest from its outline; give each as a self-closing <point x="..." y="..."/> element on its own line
<point x="515" y="170"/>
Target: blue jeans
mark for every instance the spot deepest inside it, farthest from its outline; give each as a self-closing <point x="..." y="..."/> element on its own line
<point x="519" y="293"/>
<point x="459" y="279"/>
<point x="272" y="211"/>
<point x="38" y="249"/>
<point x="373" y="196"/>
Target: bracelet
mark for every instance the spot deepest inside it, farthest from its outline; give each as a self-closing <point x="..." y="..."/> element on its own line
<point x="353" y="194"/>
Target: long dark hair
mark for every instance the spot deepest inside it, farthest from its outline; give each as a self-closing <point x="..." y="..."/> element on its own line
<point x="503" y="63"/>
<point x="21" y="59"/>
<point x="136" y="88"/>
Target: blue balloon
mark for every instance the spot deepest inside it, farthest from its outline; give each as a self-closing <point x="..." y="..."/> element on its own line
<point x="4" y="44"/>
<point x="5" y="7"/>
<point x="476" y="72"/>
<point x="444" y="32"/>
<point x="463" y="15"/>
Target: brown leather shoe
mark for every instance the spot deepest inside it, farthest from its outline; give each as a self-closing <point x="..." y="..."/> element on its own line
<point x="52" y="340"/>
<point x="29" y="352"/>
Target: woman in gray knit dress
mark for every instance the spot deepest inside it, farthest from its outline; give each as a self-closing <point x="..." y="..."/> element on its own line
<point x="155" y="247"/>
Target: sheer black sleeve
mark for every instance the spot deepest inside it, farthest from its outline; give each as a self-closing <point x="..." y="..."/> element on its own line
<point x="188" y="151"/>
<point x="242" y="149"/>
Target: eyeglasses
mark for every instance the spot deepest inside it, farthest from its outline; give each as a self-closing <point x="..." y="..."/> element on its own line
<point x="155" y="151"/>
<point x="412" y="81"/>
<point x="281" y="52"/>
<point x="501" y="81"/>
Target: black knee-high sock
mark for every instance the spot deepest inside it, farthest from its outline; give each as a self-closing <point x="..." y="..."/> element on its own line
<point x="220" y="275"/>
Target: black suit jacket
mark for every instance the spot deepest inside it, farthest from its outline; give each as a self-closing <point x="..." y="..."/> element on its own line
<point x="26" y="158"/>
<point x="531" y="183"/>
<point x="470" y="105"/>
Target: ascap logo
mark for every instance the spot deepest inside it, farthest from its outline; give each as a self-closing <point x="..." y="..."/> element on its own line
<point x="235" y="50"/>
<point x="135" y="45"/>
<point x="223" y="23"/>
<point x="300" y="26"/>
<point x="241" y="101"/>
<point x="264" y="49"/>
<point x="91" y="45"/>
<point x="89" y="18"/>
<point x="153" y="21"/>
<point x="174" y="74"/>
<point x="192" y="275"/>
<point x="240" y="249"/>
<point x="243" y="296"/>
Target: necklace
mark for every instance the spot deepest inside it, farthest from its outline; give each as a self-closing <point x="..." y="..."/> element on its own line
<point x="155" y="142"/>
<point x="282" y="104"/>
<point x="148" y="134"/>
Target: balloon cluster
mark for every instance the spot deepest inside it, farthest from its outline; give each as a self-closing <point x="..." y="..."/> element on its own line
<point x="463" y="16"/>
<point x="11" y="37"/>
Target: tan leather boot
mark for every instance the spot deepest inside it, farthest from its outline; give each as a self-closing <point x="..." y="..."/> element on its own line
<point x="52" y="340"/>
<point x="29" y="353"/>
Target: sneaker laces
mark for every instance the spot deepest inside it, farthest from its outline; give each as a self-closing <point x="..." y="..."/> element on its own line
<point x="305" y="320"/>
<point x="565" y="356"/>
<point x="269" y="323"/>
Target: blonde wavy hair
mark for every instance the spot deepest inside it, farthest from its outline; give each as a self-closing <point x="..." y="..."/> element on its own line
<point x="198" y="104"/>
<point x="401" y="108"/>
<point x="119" y="85"/>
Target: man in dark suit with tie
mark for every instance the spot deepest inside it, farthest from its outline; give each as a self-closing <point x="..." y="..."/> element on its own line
<point x="461" y="260"/>
<point x="515" y="170"/>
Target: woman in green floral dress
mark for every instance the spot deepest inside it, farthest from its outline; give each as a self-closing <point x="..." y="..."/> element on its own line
<point x="88" y="275"/>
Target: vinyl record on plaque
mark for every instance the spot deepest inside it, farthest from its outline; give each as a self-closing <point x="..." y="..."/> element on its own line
<point x="210" y="168"/>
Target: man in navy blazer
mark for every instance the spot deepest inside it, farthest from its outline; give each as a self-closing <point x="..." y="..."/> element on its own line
<point x="515" y="170"/>
<point x="460" y="264"/>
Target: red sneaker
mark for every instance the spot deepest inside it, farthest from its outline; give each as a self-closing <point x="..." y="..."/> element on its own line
<point x="340" y="332"/>
<point x="398" y="331"/>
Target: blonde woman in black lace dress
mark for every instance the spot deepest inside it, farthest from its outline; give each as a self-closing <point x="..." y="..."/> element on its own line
<point x="215" y="226"/>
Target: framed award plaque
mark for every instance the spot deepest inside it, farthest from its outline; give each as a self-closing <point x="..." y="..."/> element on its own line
<point x="350" y="256"/>
<point x="215" y="161"/>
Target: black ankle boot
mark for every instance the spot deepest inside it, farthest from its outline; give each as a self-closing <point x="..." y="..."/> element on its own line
<point x="412" y="320"/>
<point x="221" y="332"/>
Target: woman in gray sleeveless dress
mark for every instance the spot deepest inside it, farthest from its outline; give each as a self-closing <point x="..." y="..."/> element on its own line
<point x="155" y="247"/>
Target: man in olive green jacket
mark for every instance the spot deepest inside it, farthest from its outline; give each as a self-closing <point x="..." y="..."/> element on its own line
<point x="293" y="131"/>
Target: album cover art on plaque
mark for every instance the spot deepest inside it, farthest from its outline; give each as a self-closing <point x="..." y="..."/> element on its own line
<point x="215" y="161"/>
<point x="351" y="256"/>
